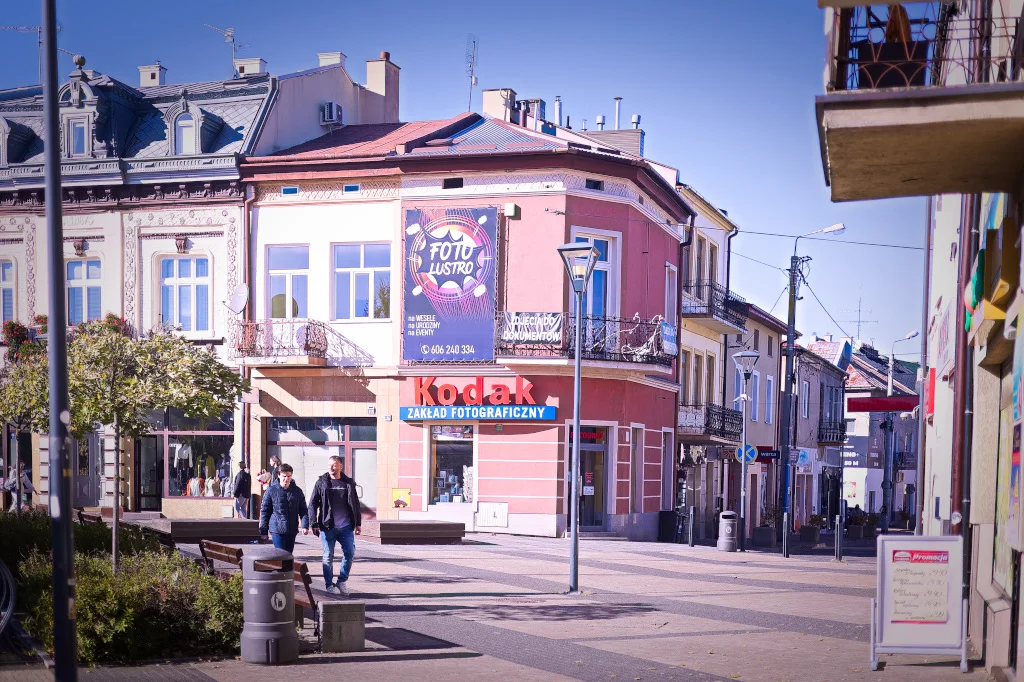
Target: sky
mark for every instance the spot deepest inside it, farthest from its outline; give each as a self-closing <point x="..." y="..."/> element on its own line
<point x="725" y="89"/>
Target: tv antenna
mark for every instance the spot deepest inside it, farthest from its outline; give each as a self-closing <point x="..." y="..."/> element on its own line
<point x="860" y="321"/>
<point x="38" y="30"/>
<point x="472" y="57"/>
<point x="229" y="37"/>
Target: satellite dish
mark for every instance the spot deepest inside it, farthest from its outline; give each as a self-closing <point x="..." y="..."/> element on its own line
<point x="239" y="297"/>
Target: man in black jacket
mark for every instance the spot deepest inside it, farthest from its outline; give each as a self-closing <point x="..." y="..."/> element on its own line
<point x="242" y="490"/>
<point x="335" y="516"/>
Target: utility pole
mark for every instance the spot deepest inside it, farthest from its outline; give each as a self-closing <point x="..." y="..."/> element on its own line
<point x="786" y="424"/>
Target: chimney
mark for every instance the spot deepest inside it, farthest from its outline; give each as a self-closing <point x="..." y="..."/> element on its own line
<point x="249" y="66"/>
<point x="499" y="103"/>
<point x="618" y="104"/>
<point x="558" y="110"/>
<point x="600" y="122"/>
<point x="154" y="74"/>
<point x="382" y="79"/>
<point x="584" y="128"/>
<point x="524" y="112"/>
<point x="636" y="121"/>
<point x="330" y="58"/>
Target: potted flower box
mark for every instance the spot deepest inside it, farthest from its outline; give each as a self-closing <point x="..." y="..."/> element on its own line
<point x="811" y="531"/>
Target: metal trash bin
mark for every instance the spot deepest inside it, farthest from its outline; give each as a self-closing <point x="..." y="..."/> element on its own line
<point x="728" y="523"/>
<point x="268" y="602"/>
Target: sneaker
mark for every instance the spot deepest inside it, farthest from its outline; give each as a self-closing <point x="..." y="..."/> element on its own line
<point x="333" y="589"/>
<point x="342" y="588"/>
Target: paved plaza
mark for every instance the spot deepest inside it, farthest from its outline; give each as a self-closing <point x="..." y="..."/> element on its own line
<point x="493" y="609"/>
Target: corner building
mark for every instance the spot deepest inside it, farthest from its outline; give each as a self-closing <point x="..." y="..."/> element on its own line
<point x="411" y="314"/>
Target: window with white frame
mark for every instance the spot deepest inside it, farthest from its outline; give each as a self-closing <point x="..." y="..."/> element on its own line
<point x="288" y="270"/>
<point x="737" y="386"/>
<point x="755" y="395"/>
<point x="769" y="399"/>
<point x="362" y="281"/>
<point x="77" y="142"/>
<point x="6" y="290"/>
<point x="185" y="134"/>
<point x="185" y="293"/>
<point x="671" y="292"/>
<point x="597" y="301"/>
<point x="84" y="290"/>
<point x="805" y="399"/>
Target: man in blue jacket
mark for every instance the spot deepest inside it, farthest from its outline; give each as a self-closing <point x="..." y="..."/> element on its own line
<point x="283" y="511"/>
<point x="337" y="518"/>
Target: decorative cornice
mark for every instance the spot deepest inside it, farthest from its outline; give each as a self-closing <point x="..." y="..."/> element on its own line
<point x="127" y="194"/>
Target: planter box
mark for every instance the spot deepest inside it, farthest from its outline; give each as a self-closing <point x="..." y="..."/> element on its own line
<point x="810" y="534"/>
<point x="870" y="533"/>
<point x="764" y="536"/>
<point x="855" y="533"/>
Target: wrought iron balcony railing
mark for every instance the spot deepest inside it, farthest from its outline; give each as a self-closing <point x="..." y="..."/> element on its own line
<point x="711" y="421"/>
<point x="711" y="299"/>
<point x="924" y="44"/>
<point x="604" y="338"/>
<point x="292" y="338"/>
<point x="832" y="432"/>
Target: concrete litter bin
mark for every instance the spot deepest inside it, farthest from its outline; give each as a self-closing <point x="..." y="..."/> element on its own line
<point x="728" y="523"/>
<point x="268" y="602"/>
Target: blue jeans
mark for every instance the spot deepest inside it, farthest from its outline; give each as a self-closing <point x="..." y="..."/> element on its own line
<point x="347" y="537"/>
<point x="285" y="541"/>
<point x="242" y="507"/>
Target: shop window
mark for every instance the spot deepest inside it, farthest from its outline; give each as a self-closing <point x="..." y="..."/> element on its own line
<point x="6" y="290"/>
<point x="362" y="281"/>
<point x="200" y="465"/>
<point x="185" y="293"/>
<point x="451" y="464"/>
<point x="84" y="291"/>
<point x="288" y="267"/>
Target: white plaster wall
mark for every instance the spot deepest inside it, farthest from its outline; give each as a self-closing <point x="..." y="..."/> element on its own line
<point x="321" y="226"/>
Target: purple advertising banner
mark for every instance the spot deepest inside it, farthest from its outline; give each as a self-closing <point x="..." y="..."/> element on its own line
<point x="450" y="280"/>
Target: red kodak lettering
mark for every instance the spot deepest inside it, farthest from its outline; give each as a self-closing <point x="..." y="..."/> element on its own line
<point x="473" y="394"/>
<point x="447" y="393"/>
<point x="422" y="396"/>
<point x="499" y="395"/>
<point x="523" y="389"/>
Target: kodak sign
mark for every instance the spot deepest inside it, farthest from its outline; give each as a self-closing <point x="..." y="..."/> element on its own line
<point x="472" y="394"/>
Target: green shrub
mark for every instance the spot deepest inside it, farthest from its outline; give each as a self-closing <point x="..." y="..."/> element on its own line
<point x="159" y="605"/>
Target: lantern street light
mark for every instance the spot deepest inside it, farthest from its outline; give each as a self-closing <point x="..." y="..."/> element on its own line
<point x="745" y="361"/>
<point x="579" y="259"/>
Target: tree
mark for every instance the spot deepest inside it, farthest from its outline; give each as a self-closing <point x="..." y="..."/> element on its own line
<point x="24" y="399"/>
<point x="116" y="379"/>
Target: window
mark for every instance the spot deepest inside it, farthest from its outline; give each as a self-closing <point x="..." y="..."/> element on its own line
<point x="185" y="293"/>
<point x="595" y="184"/>
<point x="350" y="189"/>
<point x="636" y="460"/>
<point x="83" y="291"/>
<point x="78" y="138"/>
<point x="711" y="379"/>
<point x="737" y="385"/>
<point x="597" y="299"/>
<point x="769" y="399"/>
<point x="6" y="290"/>
<point x="757" y="339"/>
<point x="671" y="291"/>
<point x="290" y="190"/>
<point x="362" y="274"/>
<point x="771" y="344"/>
<point x="698" y="268"/>
<point x="698" y="379"/>
<point x="712" y="263"/>
<point x="451" y="464"/>
<point x="755" y="395"/>
<point x="684" y="376"/>
<point x="451" y="183"/>
<point x="687" y="283"/>
<point x="288" y="267"/>
<point x="805" y="399"/>
<point x="668" y="470"/>
<point x="184" y="134"/>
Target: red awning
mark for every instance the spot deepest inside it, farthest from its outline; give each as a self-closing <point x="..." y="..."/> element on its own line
<point x="882" y="404"/>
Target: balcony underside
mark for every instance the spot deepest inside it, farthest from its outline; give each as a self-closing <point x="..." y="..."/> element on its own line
<point x="705" y="439"/>
<point x="291" y="361"/>
<point x="902" y="142"/>
<point x="714" y="323"/>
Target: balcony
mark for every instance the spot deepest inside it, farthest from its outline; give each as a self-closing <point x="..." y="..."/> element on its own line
<point x="831" y="432"/>
<point x="709" y="424"/>
<point x="897" y="84"/>
<point x="553" y="335"/>
<point x="713" y="306"/>
<point x="292" y="342"/>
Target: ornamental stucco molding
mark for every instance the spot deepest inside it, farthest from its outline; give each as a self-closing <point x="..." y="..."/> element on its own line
<point x="132" y="281"/>
<point x="30" y="264"/>
<point x="328" y="191"/>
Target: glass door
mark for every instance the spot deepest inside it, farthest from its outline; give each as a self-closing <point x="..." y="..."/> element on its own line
<point x="592" y="498"/>
<point x="86" y="456"/>
<point x="364" y="471"/>
<point x="149" y="473"/>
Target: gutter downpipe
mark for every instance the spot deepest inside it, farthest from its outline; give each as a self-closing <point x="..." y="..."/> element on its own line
<point x="922" y="431"/>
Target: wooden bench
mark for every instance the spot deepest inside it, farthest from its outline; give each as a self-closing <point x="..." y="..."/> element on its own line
<point x="414" y="532"/>
<point x="215" y="551"/>
<point x="85" y="517"/>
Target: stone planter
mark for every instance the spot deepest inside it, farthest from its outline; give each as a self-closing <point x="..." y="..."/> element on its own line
<point x="855" y="533"/>
<point x="870" y="533"/>
<point x="810" y="534"/>
<point x="764" y="536"/>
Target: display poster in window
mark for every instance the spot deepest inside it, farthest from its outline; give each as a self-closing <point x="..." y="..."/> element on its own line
<point x="450" y="282"/>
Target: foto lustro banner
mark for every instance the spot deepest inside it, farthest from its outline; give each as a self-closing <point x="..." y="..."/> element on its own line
<point x="450" y="280"/>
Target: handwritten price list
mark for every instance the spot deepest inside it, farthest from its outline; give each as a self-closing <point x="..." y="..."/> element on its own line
<point x="920" y="584"/>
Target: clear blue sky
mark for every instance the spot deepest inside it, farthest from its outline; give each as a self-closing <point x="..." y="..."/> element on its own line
<point x="726" y="90"/>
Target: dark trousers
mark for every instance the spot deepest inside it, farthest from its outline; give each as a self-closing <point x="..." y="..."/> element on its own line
<point x="285" y="541"/>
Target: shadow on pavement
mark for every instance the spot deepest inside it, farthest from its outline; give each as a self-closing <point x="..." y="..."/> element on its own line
<point x="530" y="612"/>
<point x="400" y="639"/>
<point x="431" y="579"/>
<point x="327" y="660"/>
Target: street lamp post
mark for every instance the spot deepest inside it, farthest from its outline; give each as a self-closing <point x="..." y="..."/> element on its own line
<point x="579" y="260"/>
<point x="745" y="361"/>
<point x="889" y="443"/>
<point x="787" y="389"/>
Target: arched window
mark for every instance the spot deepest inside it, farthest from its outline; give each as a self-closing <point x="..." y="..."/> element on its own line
<point x="185" y="134"/>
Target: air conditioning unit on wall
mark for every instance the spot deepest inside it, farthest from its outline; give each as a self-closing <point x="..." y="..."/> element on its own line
<point x="331" y="114"/>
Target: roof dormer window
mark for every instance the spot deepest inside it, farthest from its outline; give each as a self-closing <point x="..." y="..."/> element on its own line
<point x="185" y="134"/>
<point x="78" y="138"/>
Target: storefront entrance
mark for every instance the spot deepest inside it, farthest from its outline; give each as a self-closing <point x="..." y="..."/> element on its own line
<point x="87" y="462"/>
<point x="593" y="457"/>
<point x="452" y="464"/>
<point x="149" y="473"/>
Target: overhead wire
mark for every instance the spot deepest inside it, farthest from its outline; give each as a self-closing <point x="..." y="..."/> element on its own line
<point x="835" y="241"/>
<point x="845" y="333"/>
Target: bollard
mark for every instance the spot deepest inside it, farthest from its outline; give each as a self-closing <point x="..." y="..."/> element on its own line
<point x="689" y="523"/>
<point x="785" y="535"/>
<point x="839" y="538"/>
